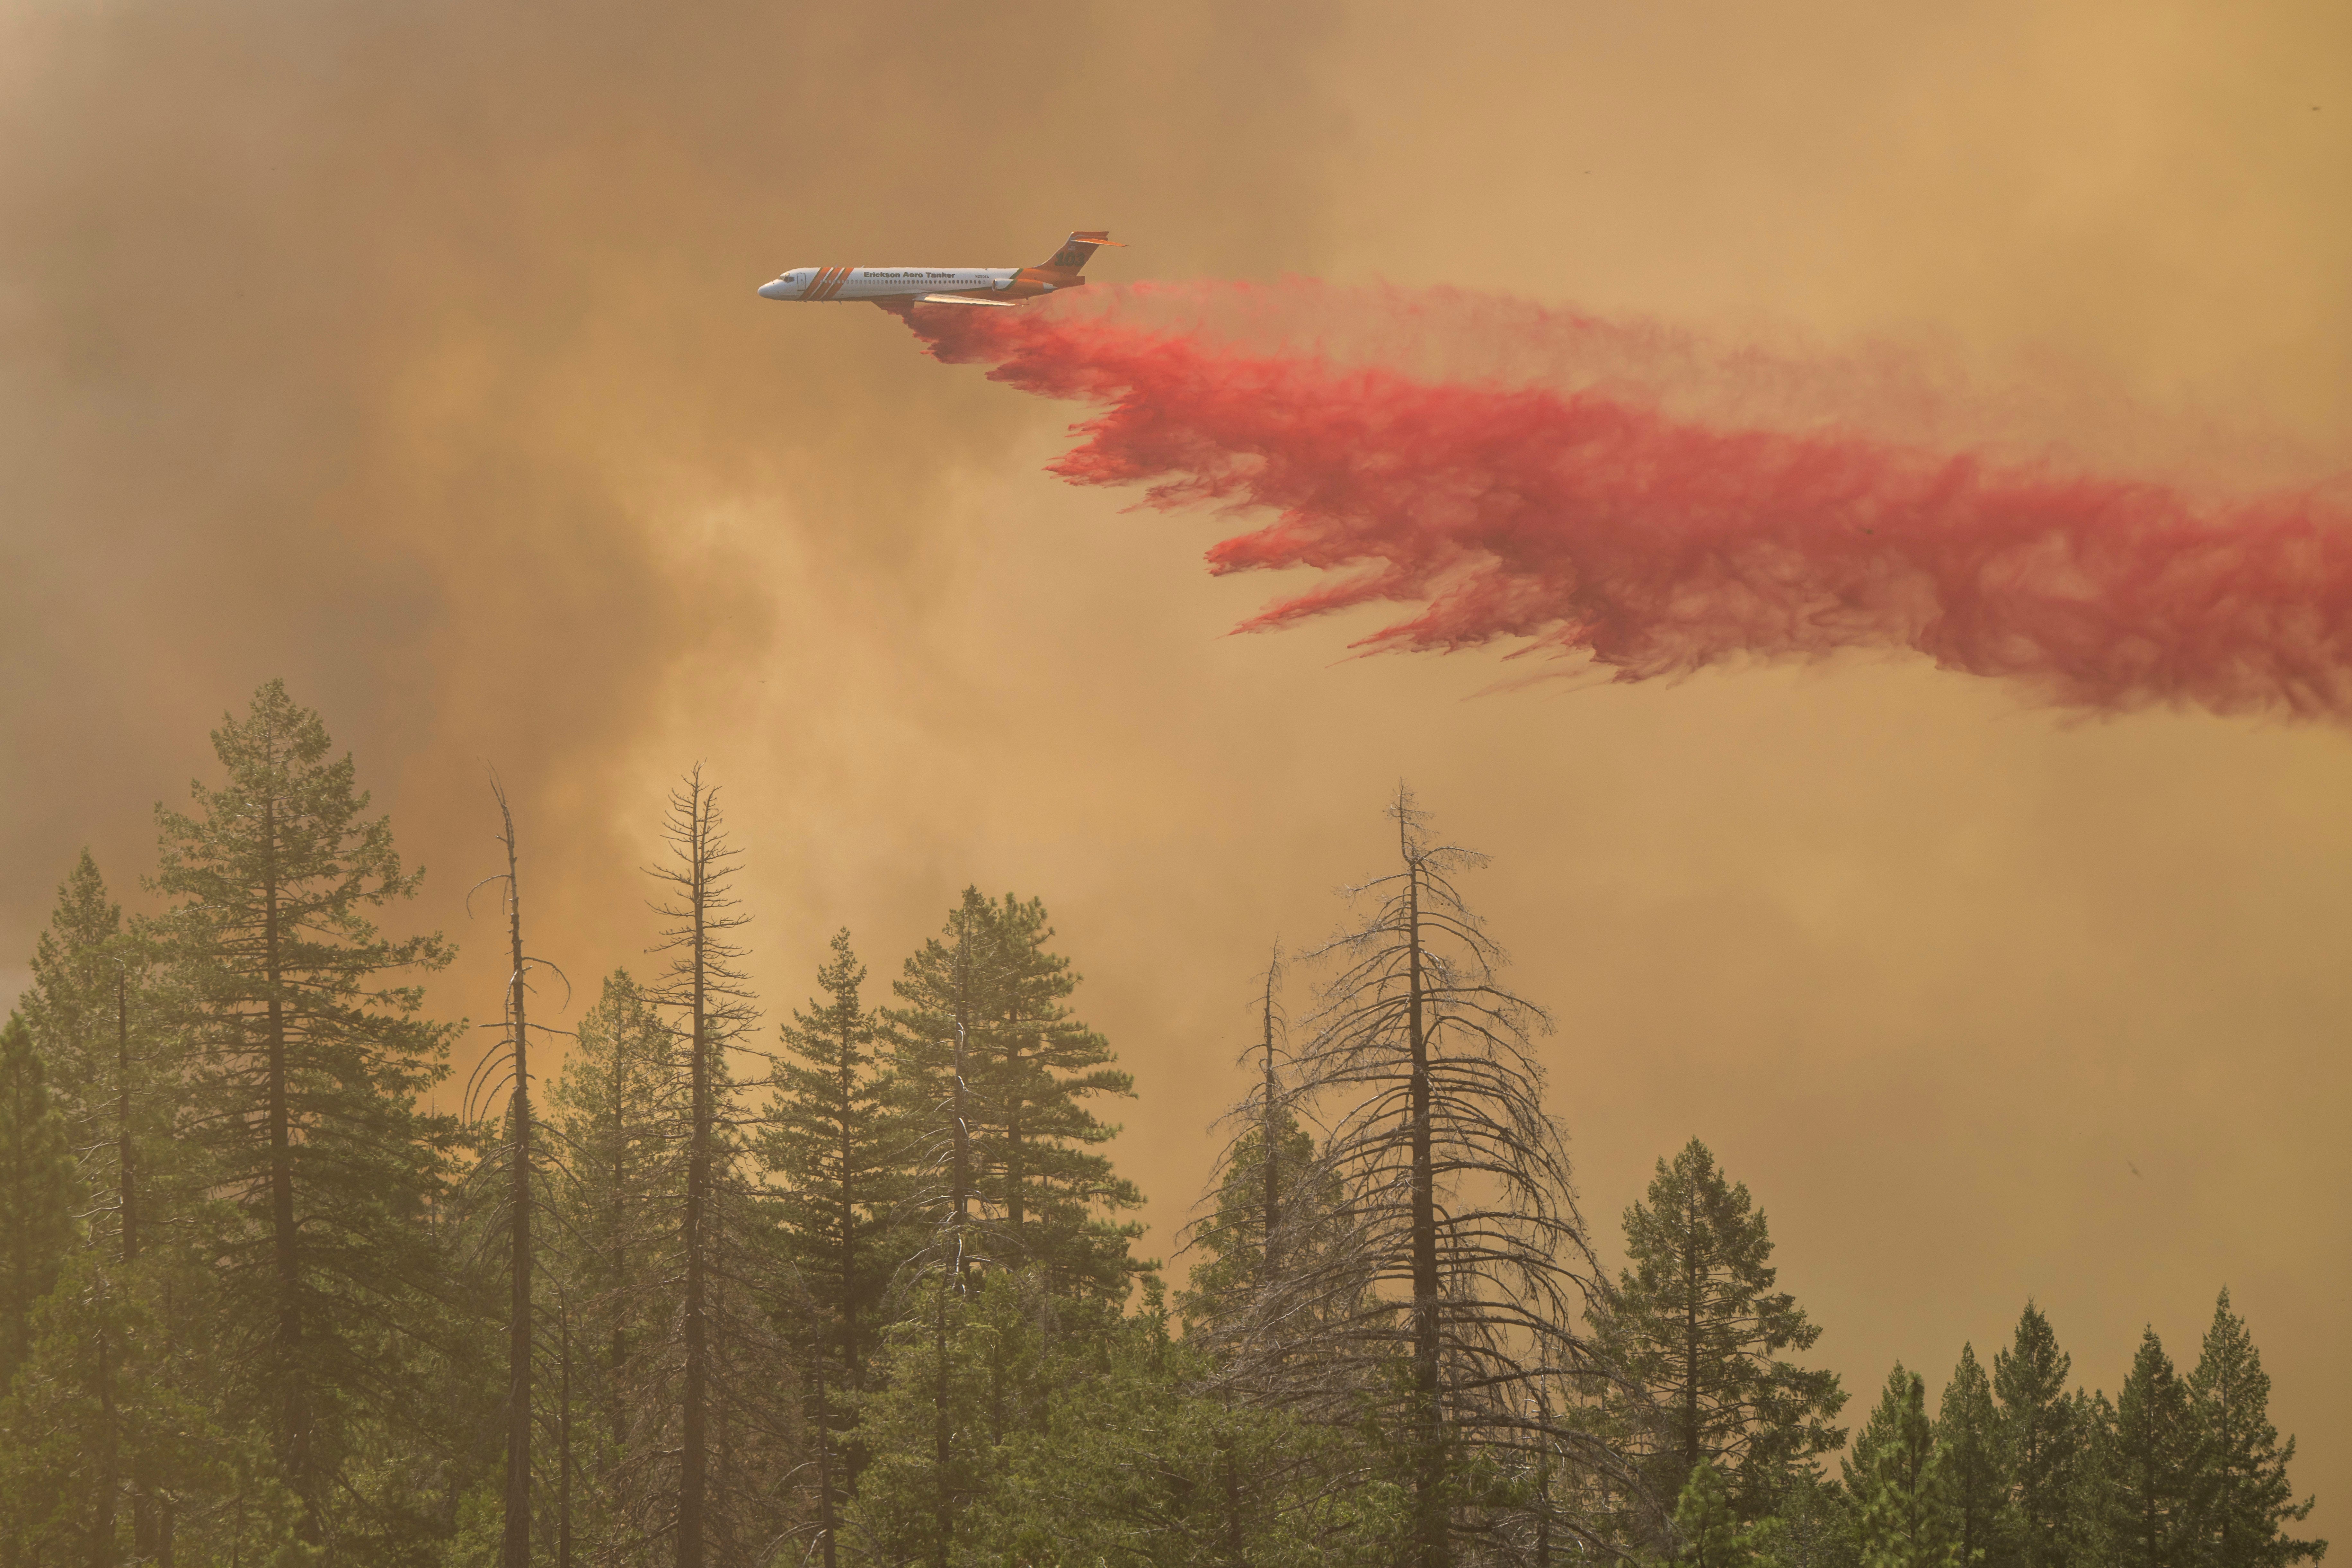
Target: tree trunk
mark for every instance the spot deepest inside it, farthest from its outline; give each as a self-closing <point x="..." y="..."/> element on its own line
<point x="1690" y="1334"/>
<point x="125" y="1156"/>
<point x="961" y="1177"/>
<point x="1266" y="1141"/>
<point x="563" y="1439"/>
<point x="1014" y="1212"/>
<point x="1235" y="1555"/>
<point x="1431" y="1533"/>
<point x="294" y="1406"/>
<point x="616" y="1213"/>
<point x="942" y="1435"/>
<point x="108" y="1478"/>
<point x="516" y="1553"/>
<point x="692" y="1459"/>
<point x="825" y="1522"/>
<point x="849" y="1368"/>
<point x="144" y="1543"/>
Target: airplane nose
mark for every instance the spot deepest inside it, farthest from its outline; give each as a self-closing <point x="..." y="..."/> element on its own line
<point x="779" y="290"/>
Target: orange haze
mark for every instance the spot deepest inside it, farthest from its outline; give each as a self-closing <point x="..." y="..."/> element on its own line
<point x="411" y="352"/>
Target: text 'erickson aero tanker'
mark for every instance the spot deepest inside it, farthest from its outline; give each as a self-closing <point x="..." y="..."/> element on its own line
<point x="898" y="288"/>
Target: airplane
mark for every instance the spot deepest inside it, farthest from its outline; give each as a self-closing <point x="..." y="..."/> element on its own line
<point x="899" y="288"/>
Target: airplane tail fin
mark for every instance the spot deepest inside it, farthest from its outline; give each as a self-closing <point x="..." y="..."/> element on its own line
<point x="1079" y="249"/>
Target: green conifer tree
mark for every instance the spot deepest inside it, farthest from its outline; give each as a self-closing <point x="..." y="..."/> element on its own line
<point x="102" y="1420"/>
<point x="90" y="1009"/>
<point x="1042" y="1067"/>
<point x="71" y="1005"/>
<point x="2090" y="1515"/>
<point x="2041" y="1438"/>
<point x="1006" y="1145"/>
<point x="619" y="1113"/>
<point x="1901" y="1483"/>
<point x="310" y="1060"/>
<point x="833" y="1140"/>
<point x="1967" y="1429"/>
<point x="830" y="1135"/>
<point x="1272" y="1211"/>
<point x="2151" y="1477"/>
<point x="1225" y="1284"/>
<point x="2245" y="1501"/>
<point x="37" y="1192"/>
<point x="1697" y="1321"/>
<point x="1707" y="1533"/>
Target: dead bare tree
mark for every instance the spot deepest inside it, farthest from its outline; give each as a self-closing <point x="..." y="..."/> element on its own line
<point x="1454" y="1268"/>
<point x="713" y="1002"/>
<point x="518" y="1158"/>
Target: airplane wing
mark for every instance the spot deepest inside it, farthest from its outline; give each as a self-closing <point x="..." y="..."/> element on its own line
<point x="963" y="300"/>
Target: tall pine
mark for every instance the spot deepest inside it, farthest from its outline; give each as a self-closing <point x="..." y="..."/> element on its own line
<point x="619" y="1112"/>
<point x="2151" y="1471"/>
<point x="1901" y="1483"/>
<point x="994" y="1079"/>
<point x="1699" y="1322"/>
<point x="832" y="1137"/>
<point x="1967" y="1429"/>
<point x="2041" y="1440"/>
<point x="76" y="1008"/>
<point x="37" y="1192"/>
<point x="309" y="1060"/>
<point x="833" y="1140"/>
<point x="2245" y="1501"/>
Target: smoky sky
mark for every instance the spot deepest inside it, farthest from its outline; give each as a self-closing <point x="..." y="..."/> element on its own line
<point x="410" y="353"/>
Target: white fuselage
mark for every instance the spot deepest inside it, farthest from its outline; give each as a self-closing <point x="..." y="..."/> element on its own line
<point x="817" y="284"/>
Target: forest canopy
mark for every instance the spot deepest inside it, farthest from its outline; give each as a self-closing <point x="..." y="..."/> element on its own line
<point x="860" y="1285"/>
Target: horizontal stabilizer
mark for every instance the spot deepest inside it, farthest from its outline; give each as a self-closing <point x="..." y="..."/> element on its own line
<point x="961" y="300"/>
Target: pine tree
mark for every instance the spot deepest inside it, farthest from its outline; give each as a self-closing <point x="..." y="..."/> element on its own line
<point x="1898" y="1477"/>
<point x="1698" y="1324"/>
<point x="993" y="1075"/>
<point x="72" y="1007"/>
<point x="934" y="1066"/>
<point x="1967" y="1429"/>
<point x="2041" y="1440"/>
<point x="91" y="1008"/>
<point x="1271" y="1205"/>
<point x="1230" y="1284"/>
<point x="101" y="1417"/>
<point x="831" y="1137"/>
<point x="1042" y="1066"/>
<point x="1706" y="1530"/>
<point x="2245" y="1501"/>
<point x="309" y="1061"/>
<point x="620" y="1111"/>
<point x="2153" y="1473"/>
<point x="38" y="1194"/>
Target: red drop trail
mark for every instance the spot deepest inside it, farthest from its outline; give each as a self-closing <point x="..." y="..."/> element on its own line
<point x="1598" y="525"/>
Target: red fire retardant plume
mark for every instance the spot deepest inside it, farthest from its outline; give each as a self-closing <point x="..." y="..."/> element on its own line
<point x="1596" y="525"/>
